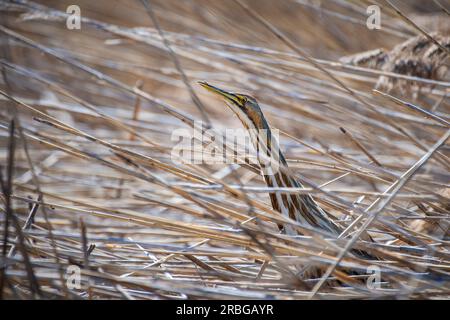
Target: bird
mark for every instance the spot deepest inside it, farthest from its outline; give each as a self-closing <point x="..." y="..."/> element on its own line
<point x="299" y="207"/>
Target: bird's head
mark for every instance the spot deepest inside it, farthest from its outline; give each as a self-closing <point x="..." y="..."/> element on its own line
<point x="244" y="106"/>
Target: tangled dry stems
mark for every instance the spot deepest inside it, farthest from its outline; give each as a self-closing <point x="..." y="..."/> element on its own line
<point x="88" y="116"/>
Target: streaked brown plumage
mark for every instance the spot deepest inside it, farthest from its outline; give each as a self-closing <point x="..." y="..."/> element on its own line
<point x="299" y="207"/>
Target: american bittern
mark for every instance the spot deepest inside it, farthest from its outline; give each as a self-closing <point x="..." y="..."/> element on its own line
<point x="300" y="207"/>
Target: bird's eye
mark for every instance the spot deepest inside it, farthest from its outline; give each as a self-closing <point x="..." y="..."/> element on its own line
<point x="244" y="100"/>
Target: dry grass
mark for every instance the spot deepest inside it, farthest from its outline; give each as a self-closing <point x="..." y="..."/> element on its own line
<point x="86" y="120"/>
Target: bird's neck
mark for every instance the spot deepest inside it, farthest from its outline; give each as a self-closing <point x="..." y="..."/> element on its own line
<point x="300" y="207"/>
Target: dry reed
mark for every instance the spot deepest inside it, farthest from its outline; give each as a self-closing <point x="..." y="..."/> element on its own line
<point x="86" y="120"/>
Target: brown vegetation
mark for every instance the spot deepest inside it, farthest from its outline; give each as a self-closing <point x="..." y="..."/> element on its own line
<point x="86" y="121"/>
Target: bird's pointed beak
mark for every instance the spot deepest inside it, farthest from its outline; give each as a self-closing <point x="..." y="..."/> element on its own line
<point x="230" y="97"/>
